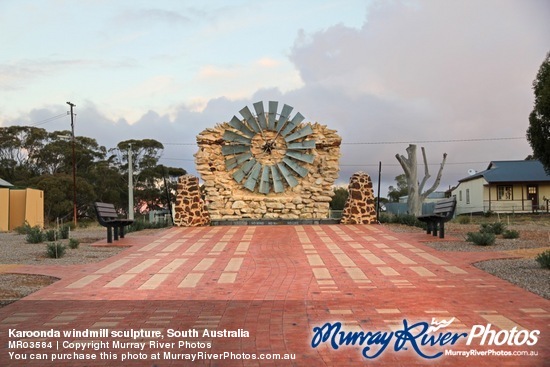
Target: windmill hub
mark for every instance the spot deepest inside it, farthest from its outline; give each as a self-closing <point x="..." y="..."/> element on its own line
<point x="268" y="148"/>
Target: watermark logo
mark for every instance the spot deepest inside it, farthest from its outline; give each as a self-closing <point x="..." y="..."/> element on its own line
<point x="515" y="337"/>
<point x="421" y="337"/>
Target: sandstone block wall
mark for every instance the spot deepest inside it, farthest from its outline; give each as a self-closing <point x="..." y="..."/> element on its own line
<point x="360" y="207"/>
<point x="226" y="199"/>
<point x="190" y="210"/>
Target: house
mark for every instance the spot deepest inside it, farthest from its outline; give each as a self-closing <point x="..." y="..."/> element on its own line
<point x="504" y="187"/>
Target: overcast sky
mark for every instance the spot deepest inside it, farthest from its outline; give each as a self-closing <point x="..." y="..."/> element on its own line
<point x="381" y="73"/>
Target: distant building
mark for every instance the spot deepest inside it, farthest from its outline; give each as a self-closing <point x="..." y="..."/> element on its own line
<point x="504" y="187"/>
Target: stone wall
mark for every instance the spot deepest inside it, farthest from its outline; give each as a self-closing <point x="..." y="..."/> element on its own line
<point x="360" y="207"/>
<point x="190" y="210"/>
<point x="226" y="199"/>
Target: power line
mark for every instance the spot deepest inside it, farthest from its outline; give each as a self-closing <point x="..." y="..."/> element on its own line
<point x="406" y="142"/>
<point x="433" y="141"/>
<point x="398" y="165"/>
<point x="45" y="121"/>
<point x="351" y="164"/>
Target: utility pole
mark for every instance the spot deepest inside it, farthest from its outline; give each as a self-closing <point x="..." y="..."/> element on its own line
<point x="130" y="184"/>
<point x="74" y="164"/>
<point x="378" y="197"/>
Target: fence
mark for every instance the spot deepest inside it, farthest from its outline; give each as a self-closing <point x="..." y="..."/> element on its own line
<point x="401" y="208"/>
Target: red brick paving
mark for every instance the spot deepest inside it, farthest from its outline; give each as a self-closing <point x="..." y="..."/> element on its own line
<point x="277" y="283"/>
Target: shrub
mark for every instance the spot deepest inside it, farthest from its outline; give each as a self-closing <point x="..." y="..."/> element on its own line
<point x="495" y="228"/>
<point x="140" y="225"/>
<point x="464" y="219"/>
<point x="544" y="259"/>
<point x="51" y="235"/>
<point x="481" y="238"/>
<point x="55" y="250"/>
<point x="74" y="243"/>
<point x="510" y="234"/>
<point x="35" y="235"/>
<point x="24" y="229"/>
<point x="410" y="220"/>
<point x="384" y="218"/>
<point x="406" y="219"/>
<point x="64" y="231"/>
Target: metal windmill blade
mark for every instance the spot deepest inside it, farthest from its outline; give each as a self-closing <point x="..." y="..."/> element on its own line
<point x="252" y="178"/>
<point x="264" y="182"/>
<point x="272" y="115"/>
<point x="250" y="119"/>
<point x="239" y="125"/>
<point x="259" y="108"/>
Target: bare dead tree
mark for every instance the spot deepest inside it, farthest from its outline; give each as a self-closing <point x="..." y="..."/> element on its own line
<point x="410" y="167"/>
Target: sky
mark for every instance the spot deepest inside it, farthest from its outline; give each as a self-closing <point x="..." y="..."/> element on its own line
<point x="452" y="76"/>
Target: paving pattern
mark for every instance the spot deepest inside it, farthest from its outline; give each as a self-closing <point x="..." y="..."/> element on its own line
<point x="278" y="283"/>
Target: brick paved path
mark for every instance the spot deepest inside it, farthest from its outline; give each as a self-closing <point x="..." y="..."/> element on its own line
<point x="276" y="283"/>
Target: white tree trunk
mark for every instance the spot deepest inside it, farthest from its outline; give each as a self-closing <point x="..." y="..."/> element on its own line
<point x="410" y="167"/>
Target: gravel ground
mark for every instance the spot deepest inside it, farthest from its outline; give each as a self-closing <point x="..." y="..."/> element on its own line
<point x="15" y="250"/>
<point x="522" y="270"/>
<point x="525" y="273"/>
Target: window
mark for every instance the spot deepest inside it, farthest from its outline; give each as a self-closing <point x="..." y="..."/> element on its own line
<point x="504" y="193"/>
<point x="532" y="189"/>
<point x="467" y="196"/>
<point x="460" y="195"/>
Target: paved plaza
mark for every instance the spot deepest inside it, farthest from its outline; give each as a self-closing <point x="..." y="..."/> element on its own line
<point x="267" y="292"/>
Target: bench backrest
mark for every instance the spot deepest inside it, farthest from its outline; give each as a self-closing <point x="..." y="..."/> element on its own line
<point x="105" y="211"/>
<point x="445" y="207"/>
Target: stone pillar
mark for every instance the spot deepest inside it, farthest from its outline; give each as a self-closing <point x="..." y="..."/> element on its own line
<point x="190" y="210"/>
<point x="360" y="207"/>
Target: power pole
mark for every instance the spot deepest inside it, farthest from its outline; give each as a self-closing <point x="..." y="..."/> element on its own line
<point x="130" y="184"/>
<point x="378" y="197"/>
<point x="74" y="164"/>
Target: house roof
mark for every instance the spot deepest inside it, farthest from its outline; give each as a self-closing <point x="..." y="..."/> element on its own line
<point x="4" y="183"/>
<point x="512" y="171"/>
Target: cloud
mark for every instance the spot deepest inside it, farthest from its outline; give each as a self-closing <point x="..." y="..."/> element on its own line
<point x="14" y="74"/>
<point x="152" y="16"/>
<point x="425" y="70"/>
<point x="240" y="81"/>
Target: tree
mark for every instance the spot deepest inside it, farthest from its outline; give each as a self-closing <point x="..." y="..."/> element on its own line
<point x="18" y="144"/>
<point x="538" y="133"/>
<point x="410" y="166"/>
<point x="33" y="157"/>
<point x="402" y="188"/>
<point x="58" y="200"/>
<point x="339" y="198"/>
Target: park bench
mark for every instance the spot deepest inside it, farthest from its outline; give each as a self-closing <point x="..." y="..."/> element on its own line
<point x="108" y="217"/>
<point x="444" y="211"/>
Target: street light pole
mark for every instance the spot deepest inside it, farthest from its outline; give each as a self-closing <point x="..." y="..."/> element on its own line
<point x="74" y="163"/>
